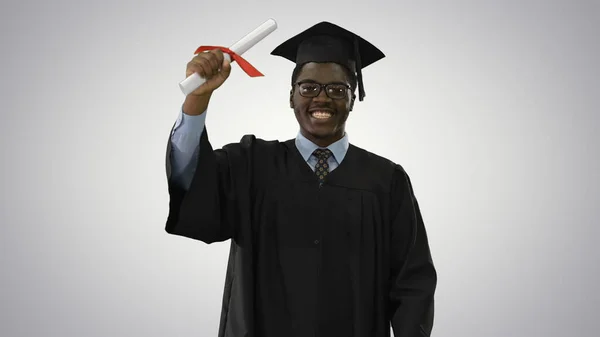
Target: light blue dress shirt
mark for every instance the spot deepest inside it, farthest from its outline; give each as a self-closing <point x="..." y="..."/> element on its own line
<point x="186" y="136"/>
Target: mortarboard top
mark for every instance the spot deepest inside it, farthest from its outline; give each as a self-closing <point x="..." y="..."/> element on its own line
<point x="327" y="42"/>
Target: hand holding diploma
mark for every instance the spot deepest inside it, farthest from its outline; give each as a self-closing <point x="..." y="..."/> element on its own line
<point x="211" y="67"/>
<point x="214" y="69"/>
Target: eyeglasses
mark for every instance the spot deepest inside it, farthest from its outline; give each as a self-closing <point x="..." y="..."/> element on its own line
<point x="333" y="90"/>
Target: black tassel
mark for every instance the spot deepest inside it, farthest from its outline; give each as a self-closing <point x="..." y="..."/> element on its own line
<point x="361" y="88"/>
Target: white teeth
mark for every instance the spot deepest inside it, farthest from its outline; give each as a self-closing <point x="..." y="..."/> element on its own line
<point x="321" y="114"/>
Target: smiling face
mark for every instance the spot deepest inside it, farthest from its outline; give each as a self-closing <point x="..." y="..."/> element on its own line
<point x="322" y="119"/>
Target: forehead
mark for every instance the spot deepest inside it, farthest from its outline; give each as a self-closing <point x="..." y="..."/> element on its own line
<point x="323" y="72"/>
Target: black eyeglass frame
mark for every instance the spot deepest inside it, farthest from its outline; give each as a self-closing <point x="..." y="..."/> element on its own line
<point x="324" y="86"/>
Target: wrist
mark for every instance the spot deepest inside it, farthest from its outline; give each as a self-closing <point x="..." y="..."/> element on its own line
<point x="195" y="105"/>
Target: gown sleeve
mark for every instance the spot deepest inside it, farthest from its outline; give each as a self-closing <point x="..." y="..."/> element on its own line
<point x="214" y="206"/>
<point x="413" y="275"/>
<point x="184" y="147"/>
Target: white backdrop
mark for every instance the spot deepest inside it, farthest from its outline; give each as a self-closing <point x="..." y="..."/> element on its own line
<point x="491" y="106"/>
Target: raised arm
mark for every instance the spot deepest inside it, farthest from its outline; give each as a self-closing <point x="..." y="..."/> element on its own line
<point x="184" y="145"/>
<point x="206" y="186"/>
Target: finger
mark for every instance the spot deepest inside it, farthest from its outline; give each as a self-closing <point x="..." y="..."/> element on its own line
<point x="205" y="70"/>
<point x="206" y="61"/>
<point x="215" y="62"/>
<point x="225" y="69"/>
<point x="192" y="67"/>
<point x="195" y="65"/>
<point x="219" y="55"/>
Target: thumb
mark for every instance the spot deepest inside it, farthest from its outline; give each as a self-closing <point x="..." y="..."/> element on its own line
<point x="225" y="69"/>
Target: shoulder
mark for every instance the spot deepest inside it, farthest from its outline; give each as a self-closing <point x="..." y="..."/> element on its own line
<point x="256" y="147"/>
<point x="376" y="161"/>
<point x="251" y="141"/>
<point x="390" y="173"/>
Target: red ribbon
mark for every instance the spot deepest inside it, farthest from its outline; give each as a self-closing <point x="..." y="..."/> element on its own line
<point x="245" y="65"/>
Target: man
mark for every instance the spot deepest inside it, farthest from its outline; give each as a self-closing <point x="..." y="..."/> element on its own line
<point x="327" y="239"/>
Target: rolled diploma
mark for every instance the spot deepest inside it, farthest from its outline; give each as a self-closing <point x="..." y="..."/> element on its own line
<point x="194" y="81"/>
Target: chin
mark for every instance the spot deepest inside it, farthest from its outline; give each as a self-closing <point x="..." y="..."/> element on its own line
<point x="321" y="129"/>
<point x="322" y="132"/>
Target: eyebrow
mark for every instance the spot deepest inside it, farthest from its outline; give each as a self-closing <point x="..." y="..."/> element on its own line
<point x="308" y="80"/>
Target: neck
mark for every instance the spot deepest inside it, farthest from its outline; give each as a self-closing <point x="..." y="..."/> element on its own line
<point x="323" y="141"/>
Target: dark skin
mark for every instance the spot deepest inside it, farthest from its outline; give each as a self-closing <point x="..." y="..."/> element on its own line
<point x="322" y="132"/>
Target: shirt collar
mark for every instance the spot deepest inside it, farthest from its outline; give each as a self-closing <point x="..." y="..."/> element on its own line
<point x="306" y="147"/>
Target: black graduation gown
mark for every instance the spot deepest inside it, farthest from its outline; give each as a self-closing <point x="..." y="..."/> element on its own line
<point x="344" y="259"/>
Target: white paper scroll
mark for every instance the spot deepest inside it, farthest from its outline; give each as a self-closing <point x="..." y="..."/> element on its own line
<point x="194" y="81"/>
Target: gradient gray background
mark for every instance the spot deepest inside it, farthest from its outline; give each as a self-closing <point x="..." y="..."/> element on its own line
<point x="492" y="107"/>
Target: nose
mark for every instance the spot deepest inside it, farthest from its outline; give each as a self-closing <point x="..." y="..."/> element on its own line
<point x="322" y="96"/>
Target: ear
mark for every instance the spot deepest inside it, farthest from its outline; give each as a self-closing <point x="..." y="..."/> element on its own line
<point x="292" y="98"/>
<point x="352" y="102"/>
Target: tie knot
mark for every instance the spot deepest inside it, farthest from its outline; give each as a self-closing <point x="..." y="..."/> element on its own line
<point x="322" y="153"/>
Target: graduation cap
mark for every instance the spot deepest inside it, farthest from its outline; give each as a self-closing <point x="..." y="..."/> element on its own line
<point x="327" y="42"/>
